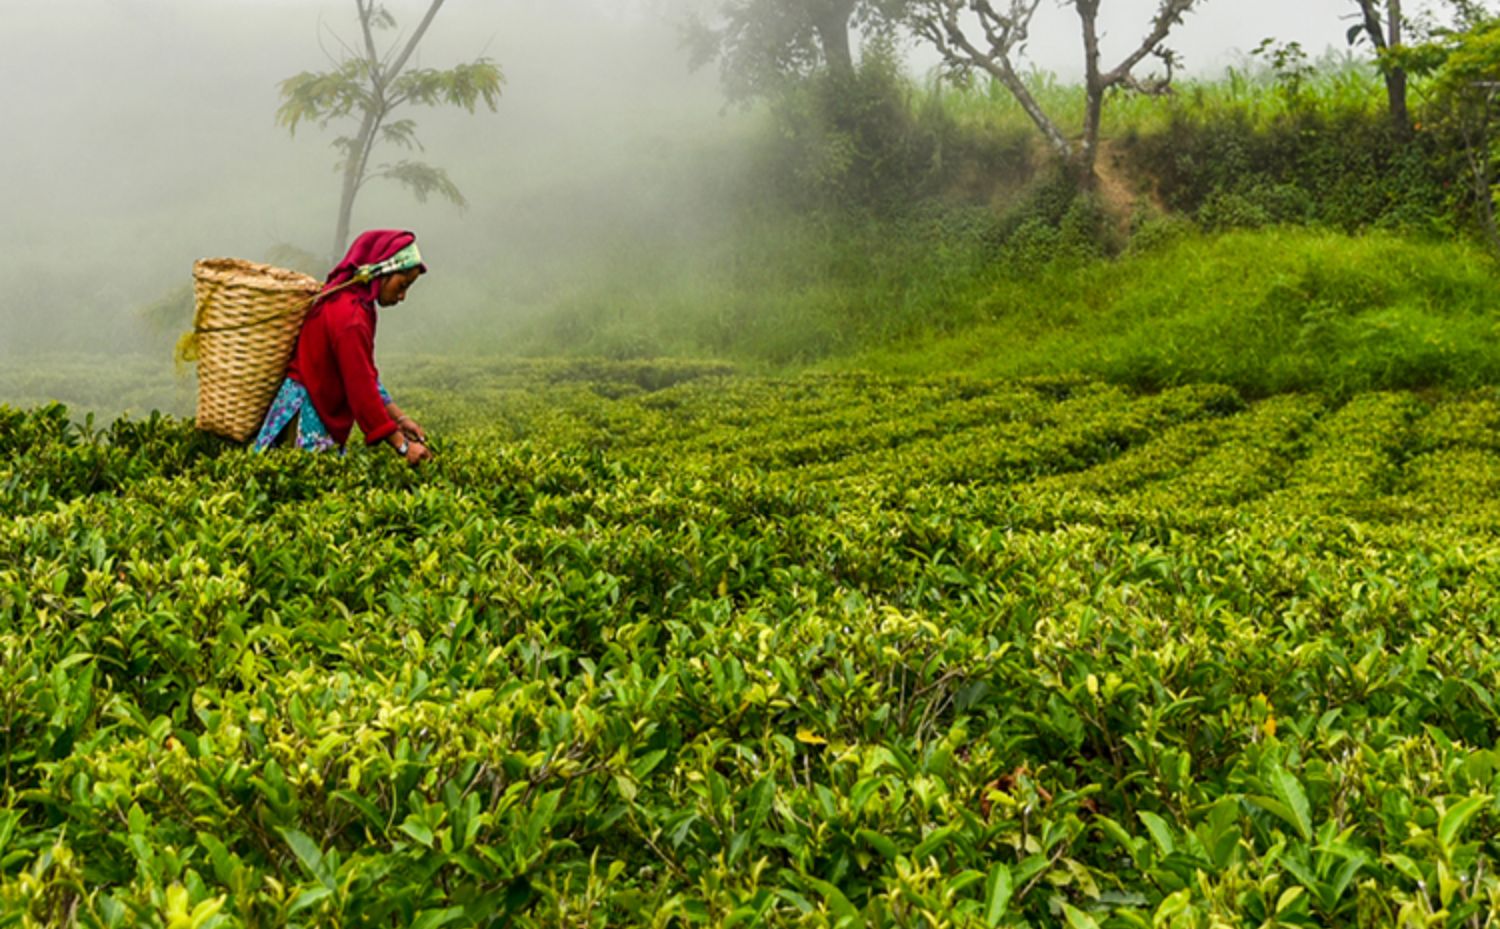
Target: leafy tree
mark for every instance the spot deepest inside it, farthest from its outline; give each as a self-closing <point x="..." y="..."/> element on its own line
<point x="1289" y="65"/>
<point x="991" y="36"/>
<point x="762" y="45"/>
<point x="1464" y="68"/>
<point x="369" y="85"/>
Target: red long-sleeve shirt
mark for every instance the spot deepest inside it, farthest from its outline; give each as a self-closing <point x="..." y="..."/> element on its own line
<point x="335" y="361"/>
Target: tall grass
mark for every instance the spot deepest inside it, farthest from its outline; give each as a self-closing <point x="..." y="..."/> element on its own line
<point x="1251" y="92"/>
<point x="1265" y="311"/>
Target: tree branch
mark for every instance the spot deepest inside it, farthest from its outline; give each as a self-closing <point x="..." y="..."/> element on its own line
<point x="366" y="11"/>
<point x="1003" y="32"/>
<point x="411" y="45"/>
<point x="1371" y="16"/>
<point x="1169" y="15"/>
<point x="1159" y="86"/>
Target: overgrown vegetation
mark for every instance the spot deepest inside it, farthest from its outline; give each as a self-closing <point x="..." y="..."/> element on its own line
<point x="1318" y="152"/>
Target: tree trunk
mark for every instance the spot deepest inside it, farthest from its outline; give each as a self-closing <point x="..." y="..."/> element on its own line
<point x="832" y="25"/>
<point x="1395" y="78"/>
<point x="375" y="113"/>
<point x="1384" y="36"/>
<point x="1085" y="159"/>
<point x="354" y="170"/>
<point x="1395" y="91"/>
<point x="1094" y="87"/>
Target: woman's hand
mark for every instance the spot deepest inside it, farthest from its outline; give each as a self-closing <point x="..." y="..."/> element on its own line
<point x="411" y="430"/>
<point x="416" y="452"/>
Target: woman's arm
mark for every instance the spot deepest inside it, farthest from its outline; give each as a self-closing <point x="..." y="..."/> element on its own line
<point x="354" y="349"/>
<point x="408" y="440"/>
<point x="408" y="425"/>
<point x="354" y="355"/>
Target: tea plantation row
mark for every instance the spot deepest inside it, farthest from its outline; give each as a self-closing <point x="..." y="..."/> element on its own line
<point x="665" y="647"/>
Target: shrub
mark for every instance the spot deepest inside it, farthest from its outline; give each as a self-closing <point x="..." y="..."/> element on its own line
<point x="1343" y="169"/>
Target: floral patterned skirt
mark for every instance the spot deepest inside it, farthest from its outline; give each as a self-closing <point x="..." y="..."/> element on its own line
<point x="292" y="402"/>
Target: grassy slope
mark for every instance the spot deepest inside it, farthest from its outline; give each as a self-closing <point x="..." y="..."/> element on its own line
<point x="1267" y="310"/>
<point x="1264" y="311"/>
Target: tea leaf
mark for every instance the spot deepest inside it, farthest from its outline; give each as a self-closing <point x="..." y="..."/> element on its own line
<point x="997" y="894"/>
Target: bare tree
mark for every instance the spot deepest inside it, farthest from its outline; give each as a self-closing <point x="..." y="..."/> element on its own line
<point x="370" y="85"/>
<point x="990" y="37"/>
<point x="1380" y="24"/>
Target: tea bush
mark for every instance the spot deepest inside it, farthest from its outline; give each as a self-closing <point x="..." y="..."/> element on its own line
<point x="662" y="646"/>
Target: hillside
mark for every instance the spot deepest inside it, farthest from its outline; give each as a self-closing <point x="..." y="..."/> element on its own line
<point x="1267" y="311"/>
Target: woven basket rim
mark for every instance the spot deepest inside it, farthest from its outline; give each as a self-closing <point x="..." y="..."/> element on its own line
<point x="254" y="274"/>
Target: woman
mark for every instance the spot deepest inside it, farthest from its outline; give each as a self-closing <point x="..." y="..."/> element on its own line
<point x="332" y="382"/>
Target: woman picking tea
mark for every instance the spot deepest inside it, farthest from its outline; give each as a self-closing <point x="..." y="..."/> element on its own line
<point x="332" y="383"/>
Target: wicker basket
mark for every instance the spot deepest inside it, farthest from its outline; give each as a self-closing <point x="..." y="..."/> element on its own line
<point x="246" y="324"/>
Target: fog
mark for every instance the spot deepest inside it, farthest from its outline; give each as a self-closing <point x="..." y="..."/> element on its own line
<point x="140" y="135"/>
<point x="145" y="138"/>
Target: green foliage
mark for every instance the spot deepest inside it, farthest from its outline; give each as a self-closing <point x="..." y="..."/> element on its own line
<point x="1290" y="66"/>
<point x="423" y="181"/>
<point x="356" y="87"/>
<point x="785" y="289"/>
<point x="653" y="645"/>
<point x="323" y="97"/>
<point x="1312" y="165"/>
<point x="886" y="218"/>
<point x="106" y="389"/>
<point x="463" y="85"/>
<point x="1057" y="228"/>
<point x="1266" y="310"/>
<point x="1269" y="311"/>
<point x="1463" y="67"/>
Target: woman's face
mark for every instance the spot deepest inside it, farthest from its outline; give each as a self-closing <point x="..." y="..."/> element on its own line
<point x="393" y="286"/>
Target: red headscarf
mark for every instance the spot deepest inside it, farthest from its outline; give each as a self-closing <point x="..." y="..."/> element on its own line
<point x="370" y="247"/>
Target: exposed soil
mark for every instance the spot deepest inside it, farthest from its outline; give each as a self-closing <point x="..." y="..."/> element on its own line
<point x="1120" y="193"/>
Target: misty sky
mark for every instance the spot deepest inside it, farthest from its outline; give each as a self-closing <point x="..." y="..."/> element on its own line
<point x="139" y="135"/>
